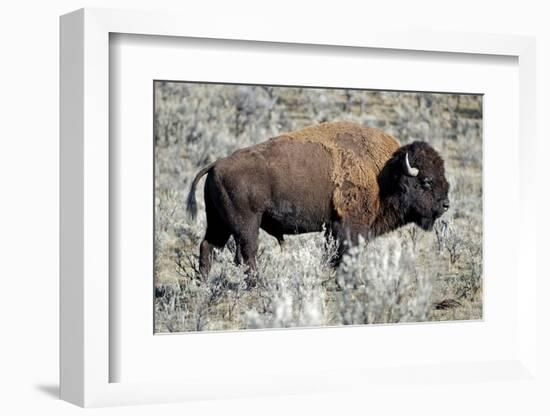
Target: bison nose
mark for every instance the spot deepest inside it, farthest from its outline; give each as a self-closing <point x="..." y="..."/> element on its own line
<point x="445" y="204"/>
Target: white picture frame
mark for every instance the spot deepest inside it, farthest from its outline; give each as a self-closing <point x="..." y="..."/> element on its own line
<point x="85" y="355"/>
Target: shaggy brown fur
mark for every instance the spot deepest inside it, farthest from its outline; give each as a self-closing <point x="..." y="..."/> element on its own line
<point x="358" y="154"/>
<point x="348" y="178"/>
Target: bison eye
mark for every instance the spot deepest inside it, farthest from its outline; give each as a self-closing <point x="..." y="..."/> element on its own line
<point x="426" y="184"/>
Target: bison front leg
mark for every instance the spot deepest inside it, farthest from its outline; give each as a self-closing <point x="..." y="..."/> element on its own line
<point x="334" y="244"/>
<point x="339" y="239"/>
<point x="338" y="253"/>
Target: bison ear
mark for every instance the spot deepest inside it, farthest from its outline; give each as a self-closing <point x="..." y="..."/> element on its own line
<point x="409" y="170"/>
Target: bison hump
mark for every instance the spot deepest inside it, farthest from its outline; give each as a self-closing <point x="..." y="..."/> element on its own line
<point x="358" y="154"/>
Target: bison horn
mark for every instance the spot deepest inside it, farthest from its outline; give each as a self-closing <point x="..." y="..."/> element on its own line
<point x="410" y="170"/>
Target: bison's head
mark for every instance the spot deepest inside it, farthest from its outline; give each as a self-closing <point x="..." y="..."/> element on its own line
<point x="414" y="182"/>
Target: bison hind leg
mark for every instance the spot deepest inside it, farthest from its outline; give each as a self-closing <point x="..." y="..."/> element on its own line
<point x="246" y="235"/>
<point x="248" y="248"/>
<point x="238" y="255"/>
<point x="217" y="234"/>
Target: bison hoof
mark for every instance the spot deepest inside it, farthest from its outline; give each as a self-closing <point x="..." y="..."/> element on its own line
<point x="250" y="283"/>
<point x="160" y="291"/>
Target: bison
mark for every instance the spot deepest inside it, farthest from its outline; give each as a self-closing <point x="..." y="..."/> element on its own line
<point x="345" y="178"/>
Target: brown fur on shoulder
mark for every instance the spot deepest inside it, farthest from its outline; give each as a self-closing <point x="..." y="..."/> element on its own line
<point x="358" y="154"/>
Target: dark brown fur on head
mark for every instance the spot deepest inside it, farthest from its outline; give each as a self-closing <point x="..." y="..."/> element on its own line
<point x="420" y="198"/>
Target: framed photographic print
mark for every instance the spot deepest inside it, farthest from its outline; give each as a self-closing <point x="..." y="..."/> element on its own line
<point x="277" y="213"/>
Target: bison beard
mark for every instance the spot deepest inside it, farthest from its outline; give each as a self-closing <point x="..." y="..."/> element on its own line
<point x="349" y="179"/>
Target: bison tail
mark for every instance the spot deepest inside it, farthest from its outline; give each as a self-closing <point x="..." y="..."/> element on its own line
<point x="191" y="200"/>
